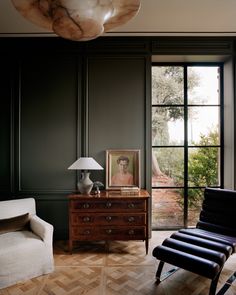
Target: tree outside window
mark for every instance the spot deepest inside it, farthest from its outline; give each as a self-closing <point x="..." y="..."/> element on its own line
<point x="186" y="143"/>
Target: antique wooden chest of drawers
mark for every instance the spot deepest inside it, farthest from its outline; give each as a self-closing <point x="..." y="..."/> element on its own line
<point x="110" y="216"/>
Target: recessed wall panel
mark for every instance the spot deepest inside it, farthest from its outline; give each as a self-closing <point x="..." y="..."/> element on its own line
<point x="5" y="126"/>
<point x="47" y="123"/>
<point x="116" y="107"/>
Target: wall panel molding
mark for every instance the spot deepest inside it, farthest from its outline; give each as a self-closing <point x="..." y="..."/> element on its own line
<point x="47" y="130"/>
<point x="197" y="45"/>
<point x="118" y="45"/>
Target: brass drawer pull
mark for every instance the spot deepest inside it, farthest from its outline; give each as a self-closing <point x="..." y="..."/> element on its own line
<point x="108" y="231"/>
<point x="131" y="205"/>
<point x="86" y="219"/>
<point x="131" y="232"/>
<point x="86" y="206"/>
<point x="131" y="219"/>
<point x="87" y="232"/>
<point x="108" y="218"/>
<point x="108" y="204"/>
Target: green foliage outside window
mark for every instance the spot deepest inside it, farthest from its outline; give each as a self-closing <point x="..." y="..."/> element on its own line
<point x="203" y="166"/>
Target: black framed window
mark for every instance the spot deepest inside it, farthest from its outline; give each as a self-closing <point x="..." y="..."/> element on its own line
<point x="187" y="139"/>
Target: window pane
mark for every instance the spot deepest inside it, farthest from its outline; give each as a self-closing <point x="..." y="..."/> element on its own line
<point x="203" y="85"/>
<point x="204" y="166"/>
<point x="186" y="129"/>
<point x="167" y="126"/>
<point x="195" y="198"/>
<point x="167" y="208"/>
<point x="167" y="85"/>
<point x="168" y="167"/>
<point x="203" y="125"/>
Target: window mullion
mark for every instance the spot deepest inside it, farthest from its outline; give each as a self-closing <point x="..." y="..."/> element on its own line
<point x="185" y="146"/>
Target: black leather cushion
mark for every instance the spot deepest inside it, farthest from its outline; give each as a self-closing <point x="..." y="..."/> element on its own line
<point x="187" y="261"/>
<point x="216" y="228"/>
<point x="223" y="239"/>
<point x="209" y="244"/>
<point x="198" y="251"/>
<point x="218" y="211"/>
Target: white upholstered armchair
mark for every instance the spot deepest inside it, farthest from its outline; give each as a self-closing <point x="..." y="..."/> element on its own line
<point x="25" y="242"/>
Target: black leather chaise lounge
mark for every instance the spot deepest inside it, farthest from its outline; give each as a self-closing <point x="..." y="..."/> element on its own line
<point x="204" y="250"/>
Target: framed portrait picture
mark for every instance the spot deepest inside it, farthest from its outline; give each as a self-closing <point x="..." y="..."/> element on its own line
<point x="122" y="168"/>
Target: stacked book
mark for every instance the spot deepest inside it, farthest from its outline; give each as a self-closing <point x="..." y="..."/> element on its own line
<point x="129" y="190"/>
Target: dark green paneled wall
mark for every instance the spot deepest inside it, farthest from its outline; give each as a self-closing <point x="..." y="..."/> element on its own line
<point x="63" y="99"/>
<point x="116" y="106"/>
<point x="67" y="104"/>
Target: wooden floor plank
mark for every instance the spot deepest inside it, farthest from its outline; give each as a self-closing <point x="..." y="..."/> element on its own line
<point x="123" y="269"/>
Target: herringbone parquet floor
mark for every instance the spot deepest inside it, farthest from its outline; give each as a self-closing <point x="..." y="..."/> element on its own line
<point x="124" y="269"/>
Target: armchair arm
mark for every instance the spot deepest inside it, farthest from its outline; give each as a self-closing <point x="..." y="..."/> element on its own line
<point x="42" y="228"/>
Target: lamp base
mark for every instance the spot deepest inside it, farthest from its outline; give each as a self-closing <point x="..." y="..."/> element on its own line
<point x="85" y="184"/>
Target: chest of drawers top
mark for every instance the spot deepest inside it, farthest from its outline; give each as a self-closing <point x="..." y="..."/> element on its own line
<point x="106" y="194"/>
<point x="110" y="201"/>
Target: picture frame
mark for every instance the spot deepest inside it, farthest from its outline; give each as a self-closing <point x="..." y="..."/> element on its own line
<point x="122" y="168"/>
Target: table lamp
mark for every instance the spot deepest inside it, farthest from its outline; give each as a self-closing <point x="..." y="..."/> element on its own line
<point x="85" y="184"/>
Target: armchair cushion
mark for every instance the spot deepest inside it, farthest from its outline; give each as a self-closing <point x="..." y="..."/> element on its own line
<point x="19" y="222"/>
<point x="22" y="257"/>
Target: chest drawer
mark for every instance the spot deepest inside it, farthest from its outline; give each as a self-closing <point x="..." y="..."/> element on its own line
<point x="108" y="219"/>
<point x="108" y="205"/>
<point x="91" y="233"/>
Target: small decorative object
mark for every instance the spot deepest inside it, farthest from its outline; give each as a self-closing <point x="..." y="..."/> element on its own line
<point x="85" y="184"/>
<point x="97" y="185"/>
<point x="122" y="169"/>
<point x="78" y="20"/>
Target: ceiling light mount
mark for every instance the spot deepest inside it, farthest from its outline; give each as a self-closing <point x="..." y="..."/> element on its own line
<point x="78" y="20"/>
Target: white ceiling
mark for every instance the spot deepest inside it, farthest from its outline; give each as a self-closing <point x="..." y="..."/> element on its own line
<point x="156" y="17"/>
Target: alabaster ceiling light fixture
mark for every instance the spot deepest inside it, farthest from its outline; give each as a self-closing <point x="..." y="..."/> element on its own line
<point x="78" y="20"/>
